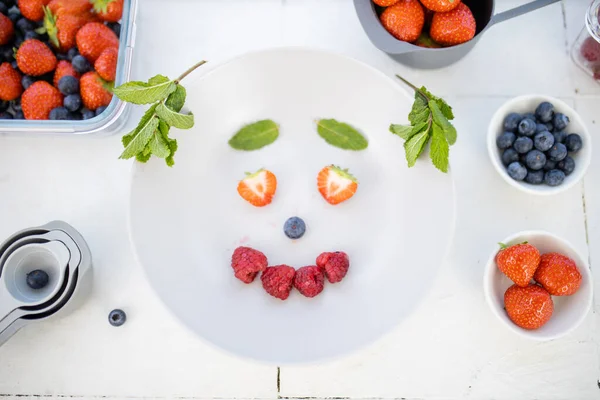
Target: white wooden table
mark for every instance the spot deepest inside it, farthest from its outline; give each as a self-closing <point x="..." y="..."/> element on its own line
<point x="451" y="347"/>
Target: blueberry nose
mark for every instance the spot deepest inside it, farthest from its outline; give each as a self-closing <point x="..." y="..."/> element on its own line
<point x="294" y="228"/>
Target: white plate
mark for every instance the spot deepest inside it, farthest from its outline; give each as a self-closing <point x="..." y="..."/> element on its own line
<point x="186" y="221"/>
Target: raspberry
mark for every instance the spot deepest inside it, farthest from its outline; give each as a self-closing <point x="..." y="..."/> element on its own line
<point x="590" y="50"/>
<point x="247" y="263"/>
<point x="335" y="264"/>
<point x="278" y="280"/>
<point x="309" y="280"/>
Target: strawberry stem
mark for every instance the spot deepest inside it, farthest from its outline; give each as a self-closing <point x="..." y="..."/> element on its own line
<point x="189" y="71"/>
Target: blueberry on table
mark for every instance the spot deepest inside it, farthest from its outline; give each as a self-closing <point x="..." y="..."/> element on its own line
<point x="511" y="122"/>
<point x="554" y="177"/>
<point x="557" y="152"/>
<point x="544" y="112"/>
<point x="541" y="128"/>
<point x="549" y="164"/>
<point x="87" y="114"/>
<point x="543" y="141"/>
<point x="560" y="121"/>
<point x="535" y="177"/>
<point x="72" y="102"/>
<point x="509" y="156"/>
<point x="517" y="171"/>
<point x="560" y="136"/>
<point x="505" y="140"/>
<point x="294" y="228"/>
<point x="117" y="317"/>
<point x="37" y="279"/>
<point x="68" y="85"/>
<point x="523" y="144"/>
<point x="535" y="160"/>
<point x="527" y="127"/>
<point x="59" y="113"/>
<point x="81" y="64"/>
<point x="573" y="143"/>
<point x="567" y="165"/>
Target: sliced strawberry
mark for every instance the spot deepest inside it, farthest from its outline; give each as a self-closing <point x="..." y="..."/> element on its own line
<point x="258" y="188"/>
<point x="336" y="184"/>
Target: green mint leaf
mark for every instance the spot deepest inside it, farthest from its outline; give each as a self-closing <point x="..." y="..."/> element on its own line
<point x="143" y="121"/>
<point x="142" y="135"/>
<point x="414" y="147"/>
<point x="445" y="108"/>
<point x="439" y="150"/>
<point x="440" y="119"/>
<point x="255" y="136"/>
<point x="342" y="135"/>
<point x="144" y="156"/>
<point x="158" y="145"/>
<point x="164" y="128"/>
<point x="403" y="131"/>
<point x="172" y="148"/>
<point x="181" y="121"/>
<point x="136" y="92"/>
<point x="176" y="100"/>
<point x="419" y="112"/>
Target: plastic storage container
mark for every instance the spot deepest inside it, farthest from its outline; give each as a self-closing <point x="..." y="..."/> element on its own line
<point x="115" y="115"/>
<point x="586" y="49"/>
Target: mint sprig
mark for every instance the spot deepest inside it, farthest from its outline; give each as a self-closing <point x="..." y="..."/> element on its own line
<point x="151" y="136"/>
<point x="429" y="119"/>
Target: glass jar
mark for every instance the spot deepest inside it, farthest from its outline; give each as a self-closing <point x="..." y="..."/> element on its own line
<point x="586" y="49"/>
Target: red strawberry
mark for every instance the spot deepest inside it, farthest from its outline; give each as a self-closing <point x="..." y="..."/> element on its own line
<point x="453" y="27"/>
<point x="518" y="262"/>
<point x="385" y="3"/>
<point x="425" y="41"/>
<point x="10" y="82"/>
<point x="590" y="50"/>
<point x="278" y="280"/>
<point x="529" y="307"/>
<point x="33" y="9"/>
<point x="558" y="274"/>
<point x="247" y="263"/>
<point x="63" y="68"/>
<point x="93" y="38"/>
<point x="39" y="99"/>
<point x="106" y="64"/>
<point x="336" y="185"/>
<point x="93" y="94"/>
<point x="258" y="188"/>
<point x="62" y="28"/>
<point x="309" y="281"/>
<point x="335" y="264"/>
<point x="109" y="10"/>
<point x="404" y="20"/>
<point x="440" y="5"/>
<point x="35" y="58"/>
<point x="7" y="29"/>
<point x="72" y="7"/>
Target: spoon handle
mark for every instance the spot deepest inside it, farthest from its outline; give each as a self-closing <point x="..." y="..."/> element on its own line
<point x="518" y="11"/>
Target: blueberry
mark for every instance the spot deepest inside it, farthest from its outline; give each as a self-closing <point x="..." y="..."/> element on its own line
<point x="523" y="144"/>
<point x="87" y="114"/>
<point x="509" y="156"/>
<point x="24" y="25"/>
<point x="59" y="113"/>
<point x="294" y="228"/>
<point x="549" y="164"/>
<point x="5" y="115"/>
<point x="74" y="116"/>
<point x="550" y="127"/>
<point x="27" y="81"/>
<point x="68" y="85"/>
<point x="573" y="143"/>
<point x="81" y="64"/>
<point x="37" y="279"/>
<point x="9" y="3"/>
<point x="72" y="102"/>
<point x="3" y="8"/>
<point x="18" y="115"/>
<point x="511" y="122"/>
<point x="4" y="105"/>
<point x="15" y="105"/>
<point x="554" y="177"/>
<point x="535" y="177"/>
<point x="544" y="112"/>
<point x="527" y="127"/>
<point x="543" y="141"/>
<point x="505" y="140"/>
<point x="540" y="128"/>
<point x="117" y="317"/>
<point x="7" y="53"/>
<point x="62" y="56"/>
<point x="72" y="53"/>
<point x="14" y="15"/>
<point x="528" y="115"/>
<point x="567" y="165"/>
<point x="14" y="64"/>
<point x="535" y="160"/>
<point x="560" y="136"/>
<point x="560" y="121"/>
<point x="557" y="152"/>
<point x="49" y="77"/>
<point x="100" y="110"/>
<point x="517" y="171"/>
<point x="115" y="27"/>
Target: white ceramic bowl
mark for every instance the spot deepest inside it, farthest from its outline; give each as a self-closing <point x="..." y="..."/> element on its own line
<point x="569" y="311"/>
<point x="528" y="103"/>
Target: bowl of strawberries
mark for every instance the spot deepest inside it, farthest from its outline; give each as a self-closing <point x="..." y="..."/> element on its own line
<point x="538" y="285"/>
<point x="431" y="33"/>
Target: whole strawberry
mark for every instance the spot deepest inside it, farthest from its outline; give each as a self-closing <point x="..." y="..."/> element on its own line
<point x="278" y="280"/>
<point x="10" y="82"/>
<point x="106" y="64"/>
<point x="518" y="262"/>
<point x="35" y="58"/>
<point x="109" y="10"/>
<point x="33" y="9"/>
<point x="72" y="7"/>
<point x="335" y="264"/>
<point x="529" y="307"/>
<point x="558" y="274"/>
<point x="404" y="20"/>
<point x="385" y="3"/>
<point x="93" y="94"/>
<point x="63" y="68"/>
<point x="93" y="38"/>
<point x="247" y="263"/>
<point x="39" y="99"/>
<point x="453" y="27"/>
<point x="440" y="5"/>
<point x="62" y="28"/>
<point x="309" y="280"/>
<point x="7" y="29"/>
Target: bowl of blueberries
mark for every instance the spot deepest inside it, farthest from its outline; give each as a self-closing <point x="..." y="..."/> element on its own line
<point x="539" y="144"/>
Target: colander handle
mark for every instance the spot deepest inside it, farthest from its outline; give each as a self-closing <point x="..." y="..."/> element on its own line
<point x="518" y="11"/>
